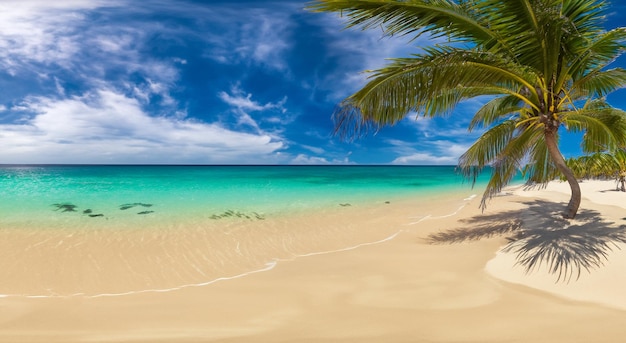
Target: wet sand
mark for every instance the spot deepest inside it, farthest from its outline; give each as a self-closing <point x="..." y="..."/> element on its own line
<point x="417" y="271"/>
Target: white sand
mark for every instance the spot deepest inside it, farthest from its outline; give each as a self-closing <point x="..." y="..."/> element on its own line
<point x="602" y="285"/>
<point x="404" y="289"/>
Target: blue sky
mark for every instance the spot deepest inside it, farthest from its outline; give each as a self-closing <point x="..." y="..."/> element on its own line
<point x="203" y="82"/>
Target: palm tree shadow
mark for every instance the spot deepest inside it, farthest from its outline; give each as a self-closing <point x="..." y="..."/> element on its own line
<point x="538" y="236"/>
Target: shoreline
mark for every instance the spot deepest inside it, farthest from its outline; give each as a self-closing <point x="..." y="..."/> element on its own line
<point x="403" y="289"/>
<point x="238" y="248"/>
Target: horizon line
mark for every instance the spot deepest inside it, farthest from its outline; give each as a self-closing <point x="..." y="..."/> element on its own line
<point x="214" y="165"/>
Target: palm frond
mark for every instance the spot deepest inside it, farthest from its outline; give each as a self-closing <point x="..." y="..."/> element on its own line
<point x="445" y="102"/>
<point x="585" y="16"/>
<point x="486" y="149"/>
<point x="509" y="162"/>
<point x="452" y="19"/>
<point x="502" y="147"/>
<point x="594" y="53"/>
<point x="601" y="165"/>
<point x="436" y="81"/>
<point x="605" y="128"/>
<point x="540" y="168"/>
<point x="599" y="83"/>
<point x="578" y="166"/>
<point x="495" y="110"/>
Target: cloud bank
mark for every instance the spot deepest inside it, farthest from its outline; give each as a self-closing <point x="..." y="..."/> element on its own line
<point x="109" y="127"/>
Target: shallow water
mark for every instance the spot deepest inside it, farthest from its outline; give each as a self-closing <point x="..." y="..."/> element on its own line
<point x="111" y="230"/>
<point x="47" y="193"/>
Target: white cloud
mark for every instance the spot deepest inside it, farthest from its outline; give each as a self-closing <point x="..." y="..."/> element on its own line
<point x="314" y="149"/>
<point x="59" y="87"/>
<point x="114" y="44"/>
<point x="452" y="127"/>
<point x="108" y="127"/>
<point x="425" y="159"/>
<point x="38" y="34"/>
<point x="242" y="105"/>
<point x="266" y="40"/>
<point x="40" y="31"/>
<point x="305" y="159"/>
<point x="368" y="50"/>
<point x="260" y="35"/>
<point x="440" y="152"/>
<point x="244" y="102"/>
<point x="423" y="126"/>
<point x="316" y="160"/>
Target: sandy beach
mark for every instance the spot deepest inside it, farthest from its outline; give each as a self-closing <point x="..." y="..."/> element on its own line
<point x="429" y="271"/>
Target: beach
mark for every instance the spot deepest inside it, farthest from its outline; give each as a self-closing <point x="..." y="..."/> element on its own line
<point x="424" y="270"/>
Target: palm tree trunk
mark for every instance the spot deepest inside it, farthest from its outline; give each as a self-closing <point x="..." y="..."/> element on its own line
<point x="559" y="161"/>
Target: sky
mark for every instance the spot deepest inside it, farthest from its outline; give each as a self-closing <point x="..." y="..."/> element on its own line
<point x="205" y="82"/>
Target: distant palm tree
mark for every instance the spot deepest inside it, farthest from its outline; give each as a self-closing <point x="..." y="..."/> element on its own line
<point x="601" y="165"/>
<point x="580" y="166"/>
<point x="620" y="171"/>
<point x="543" y="62"/>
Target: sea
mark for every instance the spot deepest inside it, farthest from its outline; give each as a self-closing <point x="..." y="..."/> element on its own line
<point x="106" y="230"/>
<point x="41" y="196"/>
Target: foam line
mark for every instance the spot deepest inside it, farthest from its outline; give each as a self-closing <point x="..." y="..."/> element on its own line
<point x="345" y="249"/>
<point x="470" y="197"/>
<point x="268" y="266"/>
<point x="438" y="217"/>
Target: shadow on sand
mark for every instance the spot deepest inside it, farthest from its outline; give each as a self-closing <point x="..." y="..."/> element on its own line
<point x="538" y="236"/>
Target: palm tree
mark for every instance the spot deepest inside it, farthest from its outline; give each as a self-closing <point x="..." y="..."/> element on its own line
<point x="580" y="166"/>
<point x="543" y="62"/>
<point x="601" y="165"/>
<point x="619" y="170"/>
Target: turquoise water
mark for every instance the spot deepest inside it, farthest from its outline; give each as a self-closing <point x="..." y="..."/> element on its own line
<point x="66" y="195"/>
<point x="116" y="230"/>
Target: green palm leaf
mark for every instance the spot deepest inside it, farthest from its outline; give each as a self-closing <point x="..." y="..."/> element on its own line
<point x="599" y="83"/>
<point x="494" y="110"/>
<point x="440" y="17"/>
